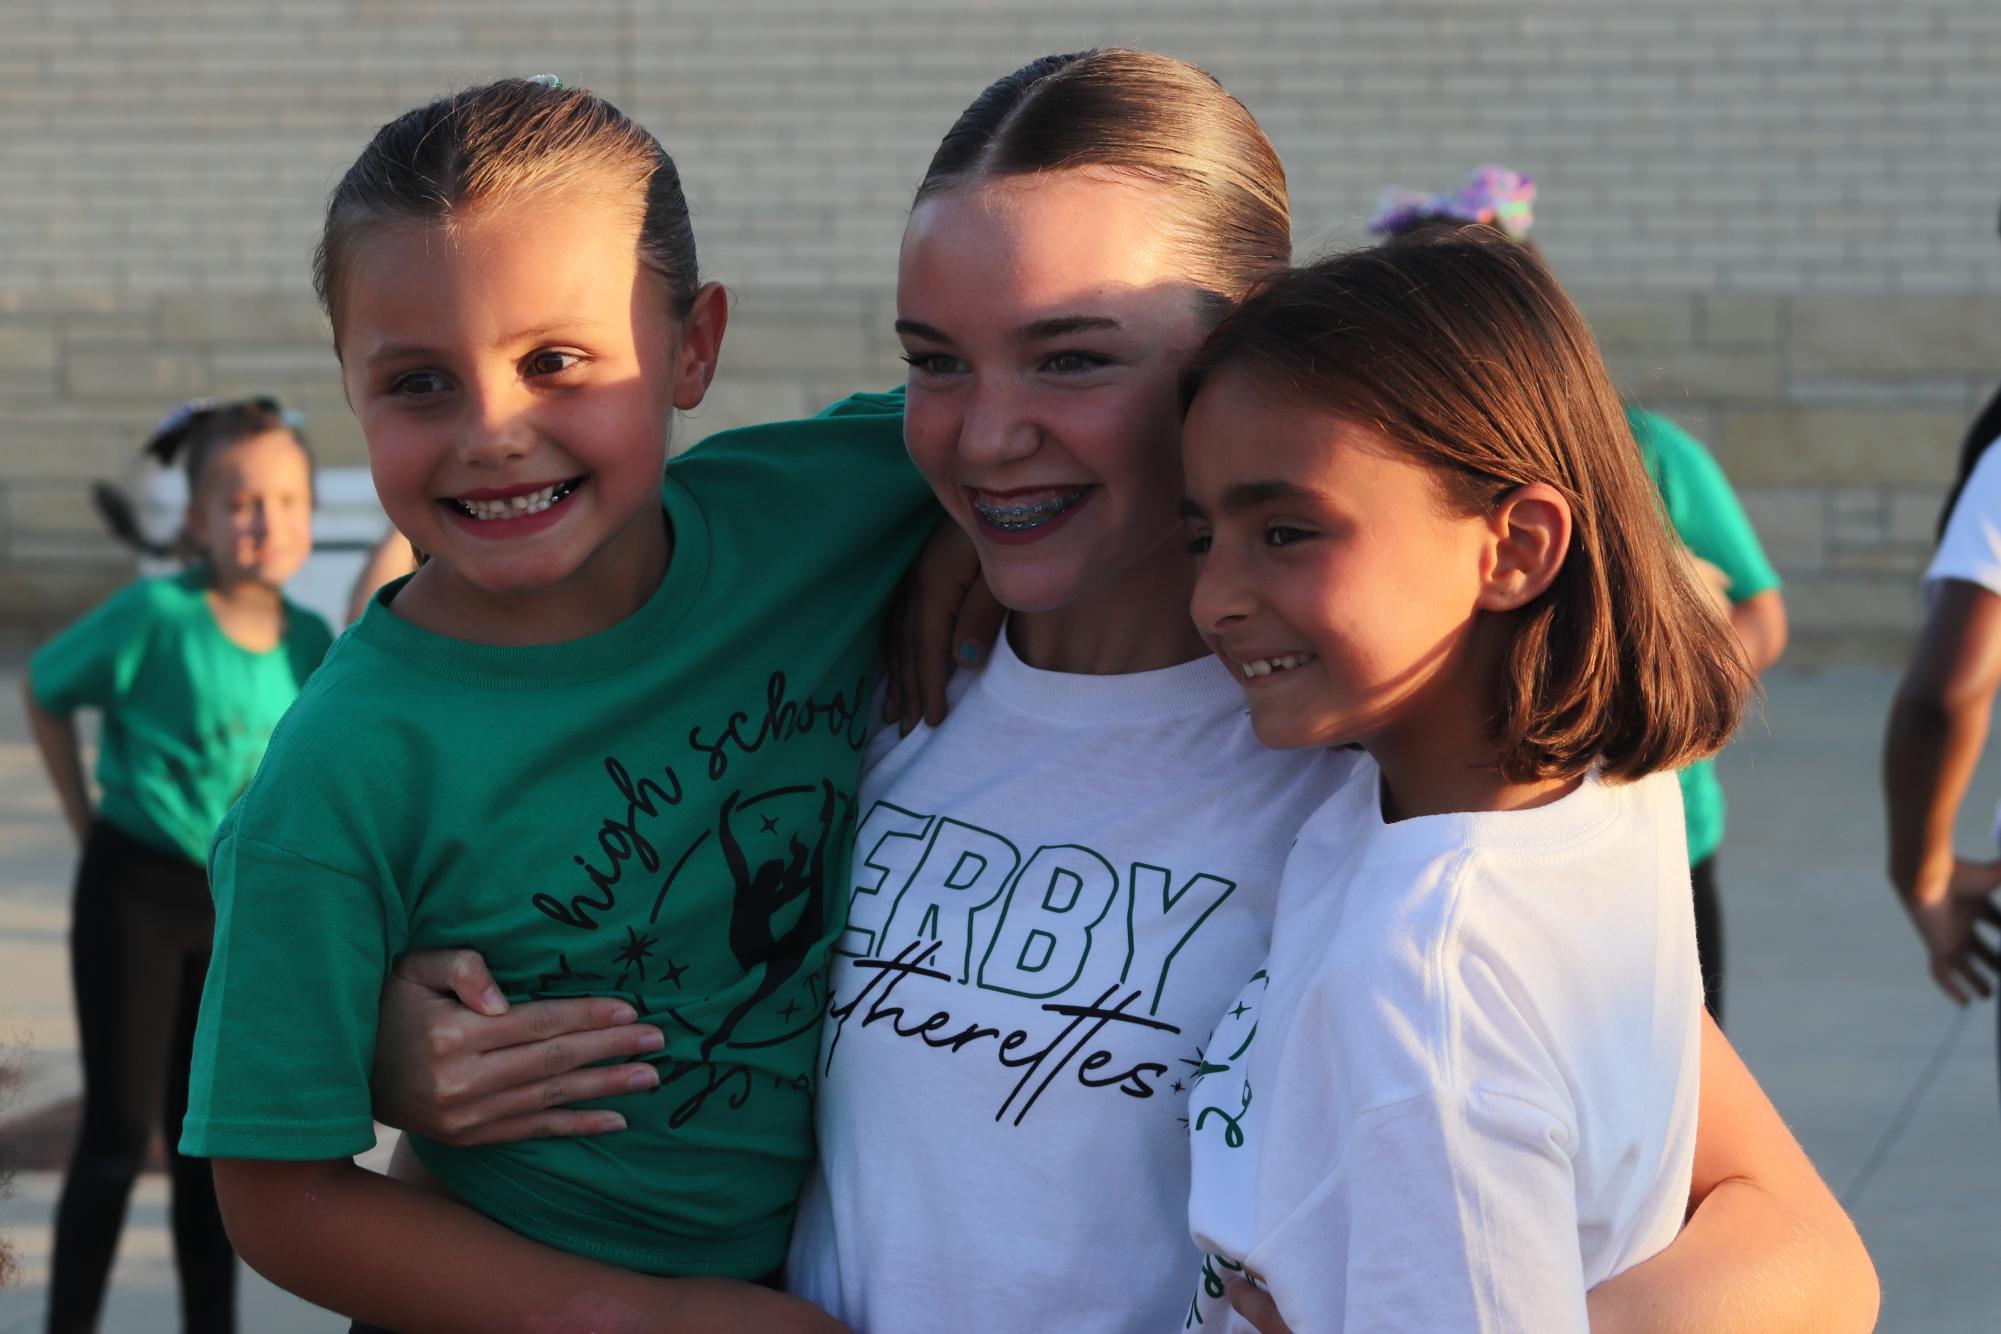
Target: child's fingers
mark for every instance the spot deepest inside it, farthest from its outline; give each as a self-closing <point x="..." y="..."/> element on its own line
<point x="513" y="1068"/>
<point x="934" y="664"/>
<point x="556" y="1123"/>
<point x="977" y="626"/>
<point x="1942" y="974"/>
<point x="538" y="1021"/>
<point x="893" y="665"/>
<point x="1255" y="1305"/>
<point x="477" y="1122"/>
<point x="910" y="688"/>
<point x="461" y="973"/>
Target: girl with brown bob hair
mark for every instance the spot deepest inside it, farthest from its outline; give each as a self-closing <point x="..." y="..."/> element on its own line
<point x="1462" y="1090"/>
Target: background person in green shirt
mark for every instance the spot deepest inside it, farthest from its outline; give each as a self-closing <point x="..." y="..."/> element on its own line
<point x="191" y="673"/>
<point x="1701" y="507"/>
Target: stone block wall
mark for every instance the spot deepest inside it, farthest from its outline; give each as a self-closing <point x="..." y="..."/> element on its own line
<point x="1779" y="215"/>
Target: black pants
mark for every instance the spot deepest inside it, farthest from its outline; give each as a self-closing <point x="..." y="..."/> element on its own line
<point x="1709" y="934"/>
<point x="139" y="946"/>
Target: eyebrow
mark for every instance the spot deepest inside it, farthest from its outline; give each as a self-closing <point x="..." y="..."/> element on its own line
<point x="420" y="352"/>
<point x="399" y="352"/>
<point x="1035" y="331"/>
<point x="1250" y="495"/>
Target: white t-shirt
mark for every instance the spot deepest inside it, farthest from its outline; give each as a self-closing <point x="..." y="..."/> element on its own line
<point x="1463" y="1088"/>
<point x="1055" y="893"/>
<point x="1970" y="548"/>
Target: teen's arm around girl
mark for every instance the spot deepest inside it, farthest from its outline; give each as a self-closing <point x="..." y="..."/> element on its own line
<point x="1463" y="1089"/>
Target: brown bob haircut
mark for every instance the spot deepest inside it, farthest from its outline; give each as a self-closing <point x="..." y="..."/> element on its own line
<point x="1460" y="348"/>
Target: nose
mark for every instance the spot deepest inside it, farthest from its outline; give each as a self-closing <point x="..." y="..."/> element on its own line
<point x="1224" y="593"/>
<point x="495" y="429"/>
<point x="998" y="427"/>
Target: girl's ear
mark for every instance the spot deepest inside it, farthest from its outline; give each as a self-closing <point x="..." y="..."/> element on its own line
<point x="1530" y="536"/>
<point x="701" y="345"/>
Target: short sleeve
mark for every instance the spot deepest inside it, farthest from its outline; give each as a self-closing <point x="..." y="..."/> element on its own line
<point x="307" y="639"/>
<point x="1452" y="1210"/>
<point x="286" y="1037"/>
<point x="1703" y="506"/>
<point x="1970" y="550"/>
<point x="92" y="662"/>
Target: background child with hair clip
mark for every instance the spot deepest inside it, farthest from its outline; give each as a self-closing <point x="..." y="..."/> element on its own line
<point x="191" y="673"/>
<point x="1462" y="1090"/>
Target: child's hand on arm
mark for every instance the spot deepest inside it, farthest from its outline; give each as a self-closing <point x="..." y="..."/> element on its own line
<point x="389" y="1254"/>
<point x="55" y="738"/>
<point x="455" y="1062"/>
<point x="944" y="618"/>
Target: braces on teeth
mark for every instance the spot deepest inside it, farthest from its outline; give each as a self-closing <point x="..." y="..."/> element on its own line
<point x="1017" y="518"/>
<point x="514" y="507"/>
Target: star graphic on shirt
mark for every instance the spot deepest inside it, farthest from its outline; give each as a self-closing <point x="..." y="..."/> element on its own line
<point x="1179" y="1087"/>
<point x="770" y="824"/>
<point x="1241" y="1010"/>
<point x="1195" y="1064"/>
<point x="633" y="954"/>
<point x="791" y="1008"/>
<point x="674" y="971"/>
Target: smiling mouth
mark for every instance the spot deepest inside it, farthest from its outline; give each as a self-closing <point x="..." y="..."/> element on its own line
<point x="1284" y="662"/>
<point x="1012" y="516"/>
<point x="516" y="507"/>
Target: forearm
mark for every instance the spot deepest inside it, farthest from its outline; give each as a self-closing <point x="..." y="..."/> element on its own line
<point x="1760" y="623"/>
<point x="55" y="739"/>
<point x="1747" y="1263"/>
<point x="1766" y="1245"/>
<point x="392" y="1255"/>
<point x="1929" y="756"/>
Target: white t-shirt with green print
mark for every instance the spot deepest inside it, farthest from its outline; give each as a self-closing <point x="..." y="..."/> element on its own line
<point x="1462" y="1088"/>
<point x="1053" y="895"/>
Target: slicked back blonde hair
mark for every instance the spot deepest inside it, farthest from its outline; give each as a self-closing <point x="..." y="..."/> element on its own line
<point x="500" y="140"/>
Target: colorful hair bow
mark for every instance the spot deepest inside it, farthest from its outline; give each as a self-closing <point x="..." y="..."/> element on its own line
<point x="1493" y="195"/>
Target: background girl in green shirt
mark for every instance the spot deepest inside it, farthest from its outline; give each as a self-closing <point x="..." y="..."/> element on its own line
<point x="191" y="673"/>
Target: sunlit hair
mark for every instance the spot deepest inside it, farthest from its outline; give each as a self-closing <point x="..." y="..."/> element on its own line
<point x="503" y="140"/>
<point x="1460" y="348"/>
<point x="1152" y="118"/>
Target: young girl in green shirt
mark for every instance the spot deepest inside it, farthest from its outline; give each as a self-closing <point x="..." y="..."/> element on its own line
<point x="191" y="673"/>
<point x="609" y="731"/>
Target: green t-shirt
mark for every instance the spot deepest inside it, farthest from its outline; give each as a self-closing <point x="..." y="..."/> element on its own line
<point x="1707" y="516"/>
<point x="187" y="710"/>
<point x="660" y="812"/>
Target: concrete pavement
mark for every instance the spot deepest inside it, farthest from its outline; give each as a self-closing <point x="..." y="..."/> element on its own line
<point x="1891" y="1091"/>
